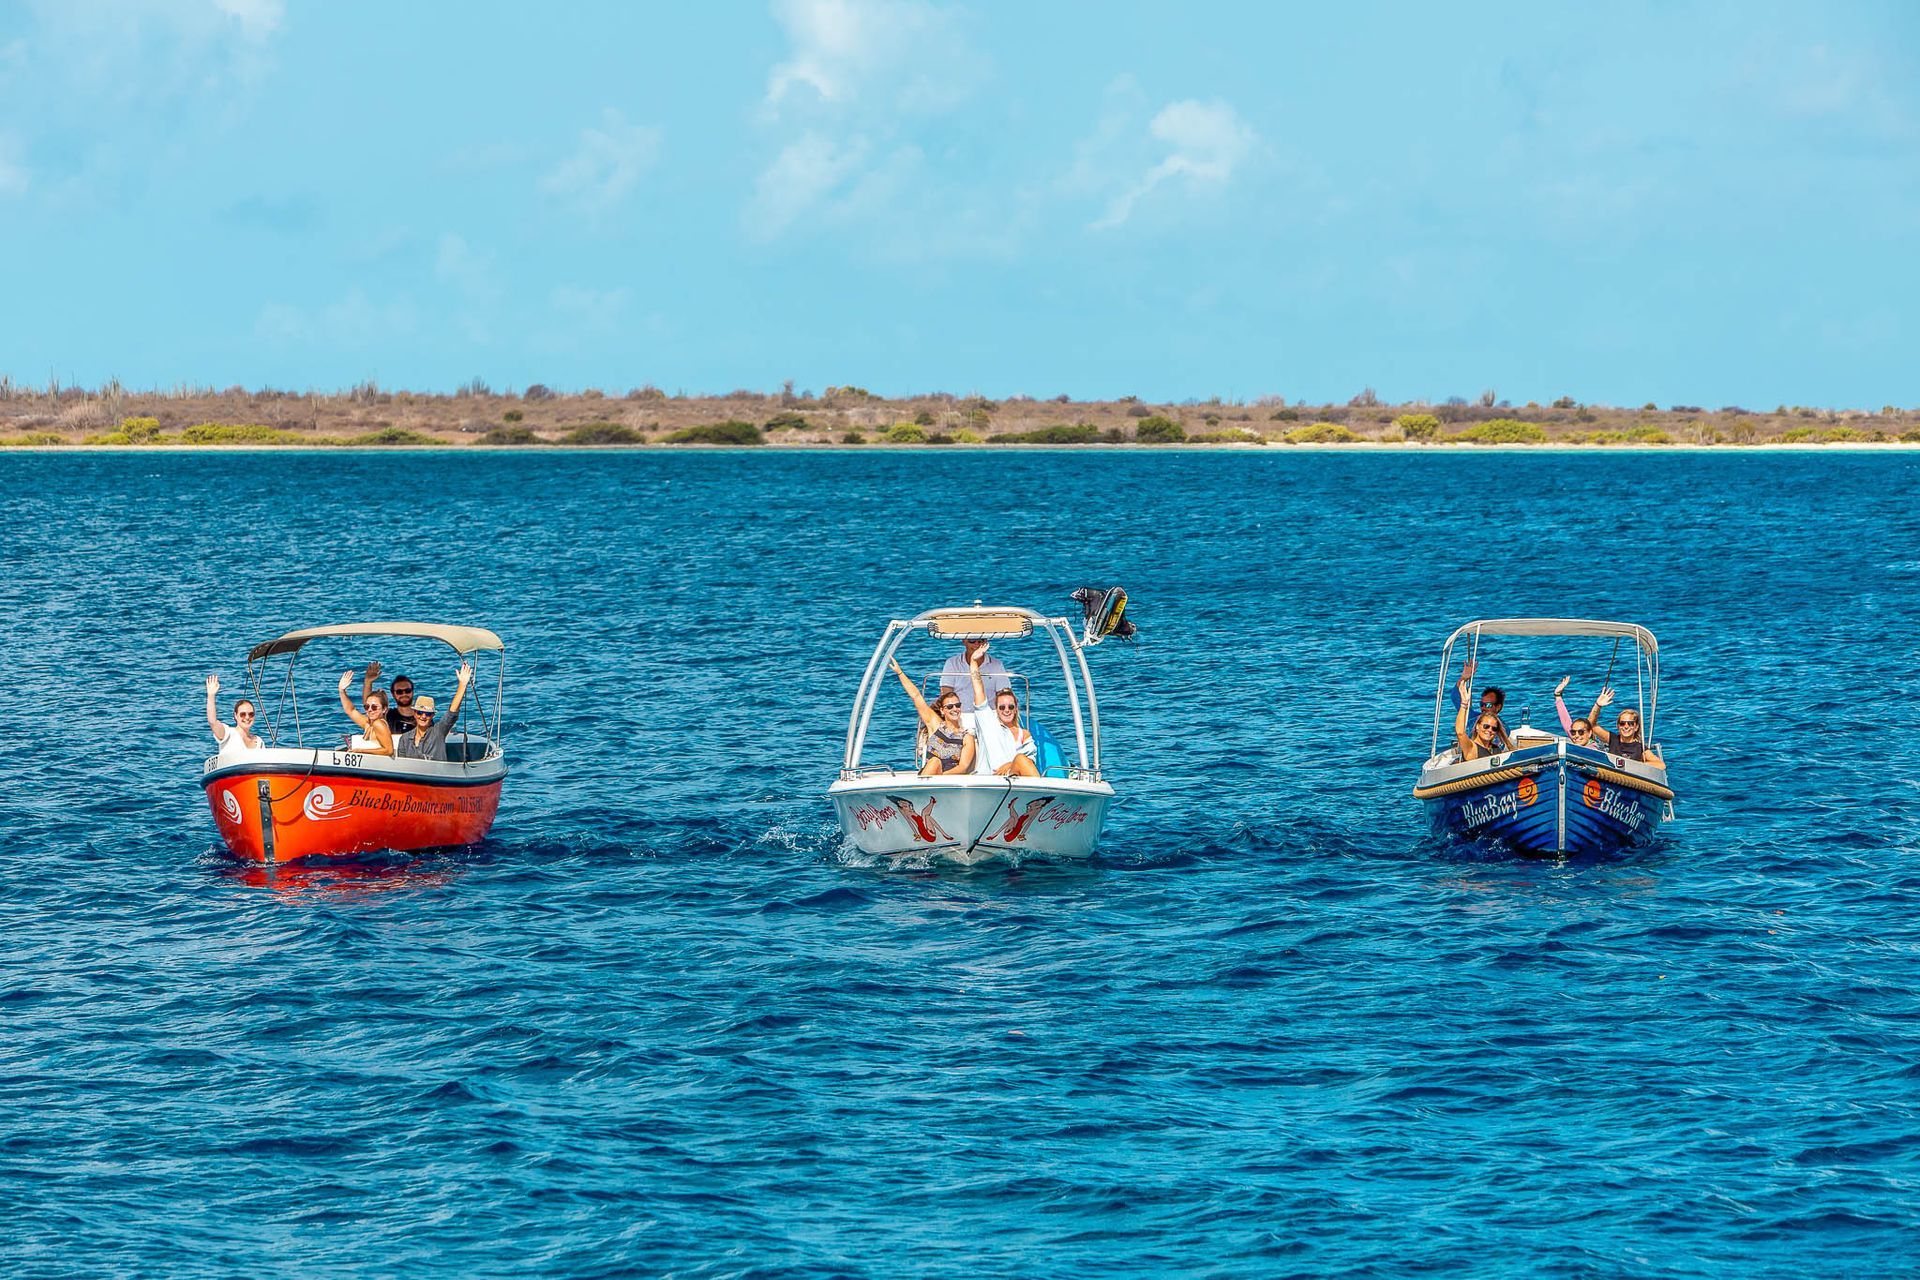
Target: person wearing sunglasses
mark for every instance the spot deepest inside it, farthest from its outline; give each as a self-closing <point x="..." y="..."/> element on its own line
<point x="1484" y="741"/>
<point x="374" y="738"/>
<point x="238" y="736"/>
<point x="1579" y="729"/>
<point x="427" y="739"/>
<point x="1625" y="739"/>
<point x="399" y="701"/>
<point x="949" y="745"/>
<point x="1492" y="700"/>
<point x="1008" y="747"/>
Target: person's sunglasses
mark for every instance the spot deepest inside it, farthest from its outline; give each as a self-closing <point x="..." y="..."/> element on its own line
<point x="422" y="715"/>
<point x="373" y="706"/>
<point x="243" y="715"/>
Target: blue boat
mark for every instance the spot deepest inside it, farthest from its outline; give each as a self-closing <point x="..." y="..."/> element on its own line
<point x="1548" y="793"/>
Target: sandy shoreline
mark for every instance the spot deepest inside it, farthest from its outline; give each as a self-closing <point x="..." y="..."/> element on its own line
<point x="1365" y="446"/>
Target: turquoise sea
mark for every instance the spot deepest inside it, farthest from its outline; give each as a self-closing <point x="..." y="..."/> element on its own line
<point x="662" y="1024"/>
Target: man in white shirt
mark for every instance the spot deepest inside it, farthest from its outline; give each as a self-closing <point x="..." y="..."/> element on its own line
<point x="956" y="677"/>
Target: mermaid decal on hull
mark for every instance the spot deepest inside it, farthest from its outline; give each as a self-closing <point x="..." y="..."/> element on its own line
<point x="925" y="829"/>
<point x="1016" y="828"/>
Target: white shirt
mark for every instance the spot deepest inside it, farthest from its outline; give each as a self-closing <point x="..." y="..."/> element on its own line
<point x="955" y="676"/>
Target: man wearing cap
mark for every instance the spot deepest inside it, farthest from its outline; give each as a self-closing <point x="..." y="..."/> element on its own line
<point x="426" y="739"/>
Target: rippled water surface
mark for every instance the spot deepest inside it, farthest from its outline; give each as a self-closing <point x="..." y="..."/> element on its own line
<point x="659" y="1023"/>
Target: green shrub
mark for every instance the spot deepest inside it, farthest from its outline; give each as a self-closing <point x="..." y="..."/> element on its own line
<point x="938" y="437"/>
<point x="1060" y="433"/>
<point x="1232" y="435"/>
<point x="1418" y="426"/>
<point x="964" y="436"/>
<point x="113" y="439"/>
<point x="906" y="433"/>
<point x="1911" y="437"/>
<point x="1502" y="431"/>
<point x="511" y="436"/>
<point x="392" y="436"/>
<point x="141" y="430"/>
<point x="1284" y="415"/>
<point x="730" y="432"/>
<point x="513" y="415"/>
<point x="786" y="422"/>
<point x="852" y="437"/>
<point x="1159" y="430"/>
<point x="1797" y="435"/>
<point x="236" y="433"/>
<point x="1323" y="433"/>
<point x="924" y="418"/>
<point x="33" y="439"/>
<point x="603" y="433"/>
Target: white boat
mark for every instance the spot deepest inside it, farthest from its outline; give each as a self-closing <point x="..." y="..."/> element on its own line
<point x="891" y="809"/>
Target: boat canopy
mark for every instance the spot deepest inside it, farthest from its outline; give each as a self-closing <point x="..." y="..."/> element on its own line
<point x="463" y="640"/>
<point x="1560" y="627"/>
<point x="978" y="623"/>
<point x="1646" y="663"/>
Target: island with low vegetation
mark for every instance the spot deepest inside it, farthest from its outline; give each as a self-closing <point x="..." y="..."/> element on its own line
<point x="476" y="416"/>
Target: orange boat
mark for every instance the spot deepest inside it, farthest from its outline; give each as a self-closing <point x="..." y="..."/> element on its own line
<point x="287" y="802"/>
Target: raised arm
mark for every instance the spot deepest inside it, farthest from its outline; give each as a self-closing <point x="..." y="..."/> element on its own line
<point x="461" y="681"/>
<point x="366" y="681"/>
<point x="1460" y="728"/>
<point x="1560" y="705"/>
<point x="927" y="715"/>
<point x="346" y="705"/>
<point x="214" y="722"/>
<point x="1466" y="683"/>
<point x="1604" y="698"/>
<point x="979" y="688"/>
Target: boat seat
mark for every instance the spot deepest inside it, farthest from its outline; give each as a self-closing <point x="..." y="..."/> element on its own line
<point x="1048" y="755"/>
<point x="465" y="752"/>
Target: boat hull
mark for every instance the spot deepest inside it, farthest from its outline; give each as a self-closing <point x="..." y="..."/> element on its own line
<point x="971" y="818"/>
<point x="283" y="805"/>
<point x="1551" y="799"/>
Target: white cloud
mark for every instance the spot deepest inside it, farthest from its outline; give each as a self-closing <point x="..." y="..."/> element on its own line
<point x="806" y="172"/>
<point x="1206" y="143"/>
<point x="907" y="52"/>
<point x="839" y="117"/>
<point x="604" y="169"/>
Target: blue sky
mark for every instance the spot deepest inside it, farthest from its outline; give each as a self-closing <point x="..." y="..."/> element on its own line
<point x="1705" y="203"/>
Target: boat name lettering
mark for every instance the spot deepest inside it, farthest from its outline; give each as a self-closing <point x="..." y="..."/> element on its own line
<point x="1620" y="809"/>
<point x="867" y="815"/>
<point x="1063" y="815"/>
<point x="1478" y="813"/>
<point x="374" y="803"/>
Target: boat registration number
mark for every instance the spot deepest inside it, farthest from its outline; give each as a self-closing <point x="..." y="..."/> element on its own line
<point x="347" y="759"/>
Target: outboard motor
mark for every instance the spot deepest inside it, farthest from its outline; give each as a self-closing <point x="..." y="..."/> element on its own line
<point x="1105" y="609"/>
